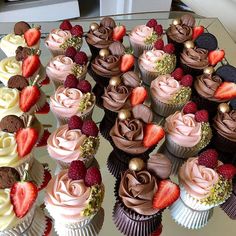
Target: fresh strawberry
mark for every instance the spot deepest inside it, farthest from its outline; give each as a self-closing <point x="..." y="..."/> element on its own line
<point x="48" y="228"/>
<point x="119" y="32"/>
<point x="44" y="139"/>
<point x="44" y="110"/>
<point x="93" y="176"/>
<point x="127" y="62"/>
<point x="45" y="81"/>
<point x="208" y="158"/>
<point x="228" y="171"/>
<point x="167" y="193"/>
<point x="187" y="80"/>
<point x="23" y="195"/>
<point x="77" y="31"/>
<point x="29" y="97"/>
<point x="169" y="48"/>
<point x="202" y="116"/>
<point x="159" y="44"/>
<point x="178" y="73"/>
<point x="65" y="25"/>
<point x="216" y="56"/>
<point x="226" y="91"/>
<point x="151" y="23"/>
<point x="153" y="134"/>
<point x="47" y="177"/>
<point x="197" y="31"/>
<point x="30" y="65"/>
<point x="32" y="36"/>
<point x="190" y="108"/>
<point x="26" y="139"/>
<point x="138" y="96"/>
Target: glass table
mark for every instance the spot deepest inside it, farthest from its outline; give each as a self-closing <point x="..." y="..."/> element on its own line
<point x="220" y="224"/>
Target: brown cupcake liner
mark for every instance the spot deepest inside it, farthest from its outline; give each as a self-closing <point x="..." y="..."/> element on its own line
<point x="98" y="91"/>
<point x="105" y="127"/>
<point x="147" y="76"/>
<point x="189" y="70"/>
<point x="138" y="49"/>
<point x="94" y="51"/>
<point x="229" y="207"/>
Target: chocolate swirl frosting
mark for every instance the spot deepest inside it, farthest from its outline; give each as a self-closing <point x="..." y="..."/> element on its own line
<point x="180" y="33"/>
<point x="137" y="190"/>
<point x="131" y="79"/>
<point x="195" y="57"/>
<point x="225" y="124"/>
<point x="128" y="136"/>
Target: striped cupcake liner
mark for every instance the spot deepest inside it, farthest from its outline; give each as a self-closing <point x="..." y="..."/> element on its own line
<point x="147" y="76"/>
<point x="229" y="207"/>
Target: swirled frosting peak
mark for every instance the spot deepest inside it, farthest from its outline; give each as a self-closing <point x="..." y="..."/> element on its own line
<point x="140" y="33"/>
<point x="180" y="33"/>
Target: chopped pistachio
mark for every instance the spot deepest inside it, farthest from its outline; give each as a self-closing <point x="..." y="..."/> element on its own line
<point x="86" y="102"/>
<point x="182" y="96"/>
<point x="206" y="135"/>
<point x="151" y="39"/>
<point x="78" y="70"/>
<point x="75" y="42"/>
<point x="90" y="146"/>
<point x="166" y="65"/>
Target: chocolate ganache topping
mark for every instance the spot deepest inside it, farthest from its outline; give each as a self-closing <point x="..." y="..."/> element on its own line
<point x="143" y="113"/>
<point x="128" y="136"/>
<point x="137" y="190"/>
<point x="188" y="20"/>
<point x="180" y="33"/>
<point x="117" y="48"/>
<point x="225" y="124"/>
<point x="195" y="57"/>
<point x="131" y="79"/>
<point x="108" y="22"/>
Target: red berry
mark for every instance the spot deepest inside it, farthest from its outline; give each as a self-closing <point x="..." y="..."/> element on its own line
<point x="77" y="31"/>
<point x="65" y="25"/>
<point x="178" y="73"/>
<point x="208" y="158"/>
<point x="93" y="176"/>
<point x="228" y="171"/>
<point x="90" y="128"/>
<point x="81" y="58"/>
<point x="202" y="116"/>
<point x="158" y="29"/>
<point x="190" y="108"/>
<point x="159" y="44"/>
<point x="77" y="170"/>
<point x="151" y="23"/>
<point x="169" y="48"/>
<point x="71" y="81"/>
<point x="187" y="80"/>
<point x="84" y="86"/>
<point x="75" y="122"/>
<point x="70" y="52"/>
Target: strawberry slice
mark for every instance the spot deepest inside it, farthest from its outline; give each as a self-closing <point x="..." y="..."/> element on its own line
<point x="30" y="65"/>
<point x="119" y="32"/>
<point x="152" y="135"/>
<point x="138" y="96"/>
<point x="127" y="62"/>
<point x="47" y="178"/>
<point x="48" y="228"/>
<point x="216" y="56"/>
<point x="167" y="193"/>
<point x="32" y="36"/>
<point x="23" y="195"/>
<point x="197" y="31"/>
<point x="29" y="97"/>
<point x="44" y="110"/>
<point x="43" y="140"/>
<point x="26" y="139"/>
<point x="226" y="91"/>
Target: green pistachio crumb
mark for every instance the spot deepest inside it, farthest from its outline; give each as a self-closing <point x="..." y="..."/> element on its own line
<point x="182" y="96"/>
<point x="166" y="65"/>
<point x="90" y="146"/>
<point x="75" y="42"/>
<point x="86" y="102"/>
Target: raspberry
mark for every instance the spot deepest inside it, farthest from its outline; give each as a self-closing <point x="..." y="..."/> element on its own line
<point x="84" y="86"/>
<point x="228" y="171"/>
<point x="77" y="170"/>
<point x="93" y="177"/>
<point x="187" y="81"/>
<point x="202" y="116"/>
<point x="151" y="23"/>
<point x="75" y="122"/>
<point x="77" y="31"/>
<point x="159" y="44"/>
<point x="70" y="52"/>
<point x="71" y="81"/>
<point x="190" y="108"/>
<point x="90" y="128"/>
<point x="208" y="158"/>
<point x="178" y="73"/>
<point x="65" y="25"/>
<point x="158" y="29"/>
<point x="81" y="58"/>
<point x="169" y="48"/>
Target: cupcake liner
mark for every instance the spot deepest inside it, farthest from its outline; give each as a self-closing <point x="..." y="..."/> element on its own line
<point x="105" y="127"/>
<point x="138" y="48"/>
<point x="229" y="207"/>
<point x="98" y="91"/>
<point x="39" y="104"/>
<point x="94" y="51"/>
<point x="147" y="76"/>
<point x="36" y="172"/>
<point x="189" y="70"/>
<point x="28" y="160"/>
<point x="56" y="52"/>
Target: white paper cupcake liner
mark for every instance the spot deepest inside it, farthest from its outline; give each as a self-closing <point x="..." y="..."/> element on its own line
<point x="138" y="49"/>
<point x="26" y="160"/>
<point x="36" y="172"/>
<point x="147" y="76"/>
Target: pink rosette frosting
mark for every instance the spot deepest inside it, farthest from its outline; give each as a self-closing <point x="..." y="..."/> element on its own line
<point x="198" y="180"/>
<point x="140" y="33"/>
<point x="183" y="129"/>
<point x="59" y="67"/>
<point x="66" y="198"/>
<point x="65" y="144"/>
<point x="164" y="87"/>
<point x="56" y="38"/>
<point x="148" y="60"/>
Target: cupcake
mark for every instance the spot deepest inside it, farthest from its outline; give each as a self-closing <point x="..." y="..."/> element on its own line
<point x="76" y="140"/>
<point x="169" y="95"/>
<point x="140" y="199"/>
<point x="74" y="98"/>
<point x="204" y="184"/>
<point x="143" y="37"/>
<point x="23" y="36"/>
<point x="66" y="36"/>
<point x="187" y="131"/>
<point x="158" y="61"/>
<point x="74" y="198"/>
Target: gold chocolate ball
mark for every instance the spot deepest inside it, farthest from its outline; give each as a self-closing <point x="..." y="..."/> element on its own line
<point x="176" y="22"/>
<point x="124" y="114"/>
<point x="115" y="81"/>
<point x="189" y="44"/>
<point x="136" y="164"/>
<point x="94" y="26"/>
<point x="224" y="107"/>
<point x="104" y="52"/>
<point x="209" y="70"/>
